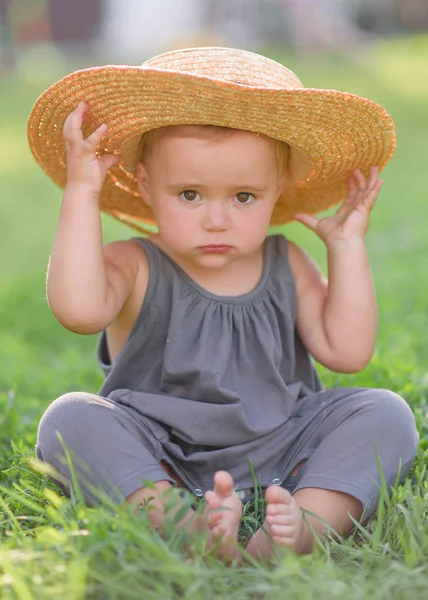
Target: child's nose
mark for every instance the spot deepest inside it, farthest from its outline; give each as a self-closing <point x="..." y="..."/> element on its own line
<point x="216" y="215"/>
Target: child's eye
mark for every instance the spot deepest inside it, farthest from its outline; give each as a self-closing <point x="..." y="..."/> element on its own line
<point x="244" y="197"/>
<point x="189" y="195"/>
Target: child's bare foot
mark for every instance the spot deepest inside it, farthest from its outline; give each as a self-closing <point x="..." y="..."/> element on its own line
<point x="223" y="516"/>
<point x="284" y="526"/>
<point x="284" y="519"/>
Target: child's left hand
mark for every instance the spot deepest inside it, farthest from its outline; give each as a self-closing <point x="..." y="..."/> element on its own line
<point x="352" y="219"/>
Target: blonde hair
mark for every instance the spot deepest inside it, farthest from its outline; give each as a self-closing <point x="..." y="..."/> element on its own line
<point x="149" y="139"/>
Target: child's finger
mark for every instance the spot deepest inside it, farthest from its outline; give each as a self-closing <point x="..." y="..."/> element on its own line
<point x="360" y="179"/>
<point x="371" y="197"/>
<point x="92" y="141"/>
<point x="345" y="209"/>
<point x="350" y="201"/>
<point x="308" y="220"/>
<point x="352" y="191"/>
<point x="109" y="160"/>
<point x="374" y="172"/>
<point x="72" y="130"/>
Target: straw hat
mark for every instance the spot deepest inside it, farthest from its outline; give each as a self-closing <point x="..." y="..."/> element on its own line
<point x="330" y="133"/>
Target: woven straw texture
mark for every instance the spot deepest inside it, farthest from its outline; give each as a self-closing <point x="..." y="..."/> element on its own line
<point x="330" y="132"/>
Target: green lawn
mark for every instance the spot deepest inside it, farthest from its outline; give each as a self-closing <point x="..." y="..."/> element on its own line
<point x="54" y="548"/>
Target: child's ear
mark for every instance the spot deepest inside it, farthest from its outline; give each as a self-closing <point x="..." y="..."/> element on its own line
<point x="143" y="183"/>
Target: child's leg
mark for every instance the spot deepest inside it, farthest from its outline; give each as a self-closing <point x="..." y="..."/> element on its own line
<point x="285" y="526"/>
<point x="113" y="452"/>
<point x="155" y="499"/>
<point x="221" y="519"/>
<point x="357" y="430"/>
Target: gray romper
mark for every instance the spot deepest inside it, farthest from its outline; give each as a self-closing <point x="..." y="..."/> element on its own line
<point x="207" y="382"/>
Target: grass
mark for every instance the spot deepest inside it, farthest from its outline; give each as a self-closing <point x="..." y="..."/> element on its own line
<point x="53" y="547"/>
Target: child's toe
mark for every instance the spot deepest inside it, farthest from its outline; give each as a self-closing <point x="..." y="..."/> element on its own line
<point x="276" y="495"/>
<point x="223" y="483"/>
<point x="278" y="519"/>
<point x="212" y="499"/>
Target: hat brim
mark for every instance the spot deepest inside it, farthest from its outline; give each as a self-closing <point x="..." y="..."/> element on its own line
<point x="335" y="131"/>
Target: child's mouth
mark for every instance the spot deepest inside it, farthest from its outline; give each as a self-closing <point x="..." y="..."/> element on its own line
<point x="215" y="248"/>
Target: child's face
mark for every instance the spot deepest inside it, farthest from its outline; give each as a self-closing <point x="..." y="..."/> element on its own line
<point x="212" y="197"/>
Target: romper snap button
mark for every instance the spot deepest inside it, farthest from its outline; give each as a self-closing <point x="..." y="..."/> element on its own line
<point x="276" y="481"/>
<point x="199" y="493"/>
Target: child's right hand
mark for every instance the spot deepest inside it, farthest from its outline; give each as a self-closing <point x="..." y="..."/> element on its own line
<point x="84" y="167"/>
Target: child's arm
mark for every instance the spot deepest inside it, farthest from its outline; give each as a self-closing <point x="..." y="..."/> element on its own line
<point x="87" y="286"/>
<point x="337" y="320"/>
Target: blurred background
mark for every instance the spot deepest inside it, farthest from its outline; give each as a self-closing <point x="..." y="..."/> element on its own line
<point x="375" y="48"/>
<point x="132" y="30"/>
